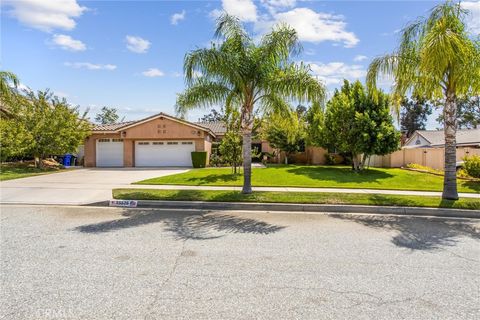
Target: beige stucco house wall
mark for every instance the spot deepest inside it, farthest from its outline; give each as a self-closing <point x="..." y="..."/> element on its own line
<point x="160" y="127"/>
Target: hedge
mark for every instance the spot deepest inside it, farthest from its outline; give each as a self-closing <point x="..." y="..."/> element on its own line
<point x="199" y="159"/>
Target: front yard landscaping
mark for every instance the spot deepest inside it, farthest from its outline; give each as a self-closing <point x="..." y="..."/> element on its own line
<point x="16" y="171"/>
<point x="316" y="176"/>
<point x="295" y="197"/>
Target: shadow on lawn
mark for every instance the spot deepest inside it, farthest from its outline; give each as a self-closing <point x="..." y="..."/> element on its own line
<point x="212" y="178"/>
<point x="340" y="174"/>
<point x="474" y="185"/>
<point x="419" y="233"/>
<point x="200" y="225"/>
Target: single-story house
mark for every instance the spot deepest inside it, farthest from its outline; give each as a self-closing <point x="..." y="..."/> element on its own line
<point x="436" y="139"/>
<point x="158" y="140"/>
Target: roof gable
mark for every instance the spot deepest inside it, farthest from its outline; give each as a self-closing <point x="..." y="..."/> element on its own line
<point x="130" y="124"/>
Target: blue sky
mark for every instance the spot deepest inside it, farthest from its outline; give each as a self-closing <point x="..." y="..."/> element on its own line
<point x="129" y="54"/>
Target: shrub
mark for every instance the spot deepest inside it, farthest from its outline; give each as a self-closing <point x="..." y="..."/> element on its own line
<point x="472" y="166"/>
<point x="329" y="159"/>
<point x="199" y="159"/>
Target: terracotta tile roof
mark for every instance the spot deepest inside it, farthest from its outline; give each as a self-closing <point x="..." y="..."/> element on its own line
<point x="111" y="127"/>
<point x="217" y="127"/>
<point x="128" y="124"/>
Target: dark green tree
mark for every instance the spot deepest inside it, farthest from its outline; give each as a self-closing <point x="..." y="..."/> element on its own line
<point x="107" y="115"/>
<point x="468" y="113"/>
<point x="359" y="124"/>
<point x="414" y="113"/>
<point x="213" y="116"/>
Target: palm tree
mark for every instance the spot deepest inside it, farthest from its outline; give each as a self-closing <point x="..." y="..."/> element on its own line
<point x="240" y="73"/>
<point x="436" y="59"/>
<point x="6" y="78"/>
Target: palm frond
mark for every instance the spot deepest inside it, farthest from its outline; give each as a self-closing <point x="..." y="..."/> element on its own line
<point x="202" y="93"/>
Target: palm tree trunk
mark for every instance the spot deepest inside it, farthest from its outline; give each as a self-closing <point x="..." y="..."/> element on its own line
<point x="450" y="129"/>
<point x="247" y="162"/>
<point x="247" y="126"/>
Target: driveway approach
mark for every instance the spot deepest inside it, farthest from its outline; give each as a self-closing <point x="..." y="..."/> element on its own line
<point x="109" y="263"/>
<point x="77" y="186"/>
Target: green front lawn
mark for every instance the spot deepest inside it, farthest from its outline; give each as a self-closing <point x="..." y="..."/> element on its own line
<point x="9" y="172"/>
<point x="316" y="176"/>
<point x="294" y="197"/>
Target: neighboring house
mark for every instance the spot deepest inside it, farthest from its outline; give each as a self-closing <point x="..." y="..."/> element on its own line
<point x="159" y="140"/>
<point x="436" y="139"/>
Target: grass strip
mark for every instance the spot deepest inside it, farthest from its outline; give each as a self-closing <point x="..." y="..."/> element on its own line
<point x="295" y="197"/>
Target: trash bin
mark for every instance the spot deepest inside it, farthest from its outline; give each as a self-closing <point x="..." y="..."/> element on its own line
<point x="67" y="160"/>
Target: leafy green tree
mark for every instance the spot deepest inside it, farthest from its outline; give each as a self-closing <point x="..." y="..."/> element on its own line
<point x="231" y="145"/>
<point x="359" y="124"/>
<point x="414" y="113"/>
<point x="315" y="119"/>
<point x="249" y="75"/>
<point x="46" y="125"/>
<point x="468" y="113"/>
<point x="6" y="92"/>
<point x="15" y="139"/>
<point x="436" y="59"/>
<point x="285" y="133"/>
<point x="107" y="115"/>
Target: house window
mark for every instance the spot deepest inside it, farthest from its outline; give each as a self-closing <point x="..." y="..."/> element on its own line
<point x="144" y="143"/>
<point x="172" y="142"/>
<point x="117" y="140"/>
<point x="157" y="143"/>
<point x="103" y="140"/>
<point x="418" y="141"/>
<point x="187" y="142"/>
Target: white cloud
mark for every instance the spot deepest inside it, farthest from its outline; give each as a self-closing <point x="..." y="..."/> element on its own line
<point x="245" y="10"/>
<point x="359" y="58"/>
<point x="90" y="66"/>
<point x="335" y="72"/>
<point x="280" y="3"/>
<point x="68" y="43"/>
<point x="137" y="44"/>
<point x="473" y="19"/>
<point x="177" y="74"/>
<point x="274" y="5"/>
<point x="175" y="18"/>
<point x="153" y="72"/>
<point x="46" y="15"/>
<point x="313" y="26"/>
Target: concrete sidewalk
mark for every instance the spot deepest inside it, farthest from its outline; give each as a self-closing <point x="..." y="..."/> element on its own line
<point x="297" y="189"/>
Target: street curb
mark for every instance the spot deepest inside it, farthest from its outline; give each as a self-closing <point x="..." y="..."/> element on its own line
<point x="330" y="208"/>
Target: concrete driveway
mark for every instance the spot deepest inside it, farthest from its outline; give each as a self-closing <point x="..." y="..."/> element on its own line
<point x="77" y="186"/>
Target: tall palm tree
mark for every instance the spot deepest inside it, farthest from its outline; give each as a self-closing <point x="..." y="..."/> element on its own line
<point x="240" y="73"/>
<point x="436" y="59"/>
<point x="6" y="78"/>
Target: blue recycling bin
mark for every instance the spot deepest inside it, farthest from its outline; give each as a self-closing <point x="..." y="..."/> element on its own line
<point x="67" y="160"/>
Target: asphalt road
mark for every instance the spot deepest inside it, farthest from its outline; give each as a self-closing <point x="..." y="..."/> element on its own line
<point x="105" y="263"/>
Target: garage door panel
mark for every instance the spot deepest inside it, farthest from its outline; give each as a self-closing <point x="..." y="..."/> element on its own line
<point x="163" y="153"/>
<point x="109" y="153"/>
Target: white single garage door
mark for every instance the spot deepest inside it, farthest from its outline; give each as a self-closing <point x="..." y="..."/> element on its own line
<point x="164" y="153"/>
<point x="110" y="153"/>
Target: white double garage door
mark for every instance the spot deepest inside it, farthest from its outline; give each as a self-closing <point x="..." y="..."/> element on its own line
<point x="110" y="153"/>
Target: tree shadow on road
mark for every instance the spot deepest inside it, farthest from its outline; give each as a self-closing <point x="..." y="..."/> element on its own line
<point x="199" y="225"/>
<point x="417" y="233"/>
